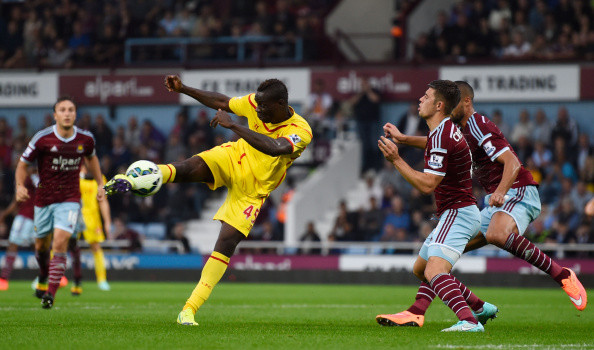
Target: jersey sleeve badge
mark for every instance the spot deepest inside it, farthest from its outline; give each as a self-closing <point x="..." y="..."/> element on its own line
<point x="295" y="139"/>
<point x="489" y="148"/>
<point x="435" y="161"/>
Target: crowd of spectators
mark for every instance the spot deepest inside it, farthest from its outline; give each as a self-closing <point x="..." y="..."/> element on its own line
<point x="560" y="158"/>
<point x="510" y="30"/>
<point x="83" y="33"/>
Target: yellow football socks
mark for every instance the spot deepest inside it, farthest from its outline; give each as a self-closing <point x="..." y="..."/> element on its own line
<point x="99" y="265"/>
<point x="168" y="171"/>
<point x="211" y="275"/>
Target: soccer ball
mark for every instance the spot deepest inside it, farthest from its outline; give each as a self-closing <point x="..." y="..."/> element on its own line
<point x="146" y="178"/>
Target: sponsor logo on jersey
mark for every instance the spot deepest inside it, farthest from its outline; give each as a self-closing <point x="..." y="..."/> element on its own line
<point x="295" y="138"/>
<point x="65" y="164"/>
<point x="435" y="161"/>
<point x="489" y="148"/>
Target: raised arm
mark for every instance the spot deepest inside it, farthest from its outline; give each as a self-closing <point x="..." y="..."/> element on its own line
<point x="210" y="99"/>
<point x="391" y="131"/>
<point x="424" y="182"/>
<point x="263" y="143"/>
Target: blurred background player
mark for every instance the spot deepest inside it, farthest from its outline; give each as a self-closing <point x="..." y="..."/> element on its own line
<point x="250" y="168"/>
<point x="59" y="151"/>
<point x="21" y="231"/>
<point x="447" y="173"/>
<point x="93" y="229"/>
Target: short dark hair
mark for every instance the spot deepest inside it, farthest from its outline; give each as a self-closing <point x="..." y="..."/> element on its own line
<point x="447" y="92"/>
<point x="275" y="89"/>
<point x="465" y="89"/>
<point x="62" y="99"/>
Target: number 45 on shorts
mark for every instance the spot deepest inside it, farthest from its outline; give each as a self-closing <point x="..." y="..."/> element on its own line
<point x="248" y="213"/>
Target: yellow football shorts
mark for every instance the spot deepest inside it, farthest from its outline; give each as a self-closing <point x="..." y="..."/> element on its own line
<point x="93" y="232"/>
<point x="239" y="210"/>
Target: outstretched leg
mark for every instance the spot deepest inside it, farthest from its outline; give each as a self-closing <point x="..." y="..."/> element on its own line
<point x="213" y="271"/>
<point x="503" y="232"/>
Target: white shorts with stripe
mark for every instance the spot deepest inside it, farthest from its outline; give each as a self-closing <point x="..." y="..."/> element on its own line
<point x="455" y="228"/>
<point x="522" y="204"/>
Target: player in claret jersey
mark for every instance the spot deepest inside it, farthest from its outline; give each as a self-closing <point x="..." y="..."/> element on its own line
<point x="513" y="203"/>
<point x="59" y="151"/>
<point x="447" y="173"/>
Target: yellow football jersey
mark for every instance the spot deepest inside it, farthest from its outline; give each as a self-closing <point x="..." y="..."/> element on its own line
<point x="269" y="171"/>
<point x="89" y="204"/>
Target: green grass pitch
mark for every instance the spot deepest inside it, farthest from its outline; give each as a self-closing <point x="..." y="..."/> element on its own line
<point x="268" y="316"/>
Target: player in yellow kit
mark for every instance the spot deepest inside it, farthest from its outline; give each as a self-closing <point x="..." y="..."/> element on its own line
<point x="250" y="168"/>
<point x="93" y="228"/>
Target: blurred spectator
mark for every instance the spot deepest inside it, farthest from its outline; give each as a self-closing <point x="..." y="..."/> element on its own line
<point x="59" y="55"/>
<point x="310" y="235"/>
<point x="318" y="106"/>
<point x="397" y="218"/>
<point x="178" y="234"/>
<point x="201" y="130"/>
<point x="133" y="134"/>
<point x="366" y="107"/>
<point x="584" y="151"/>
<point x="371" y="220"/>
<point x="542" y="128"/>
<point x="344" y="224"/>
<point x="580" y="196"/>
<point x="501" y="124"/>
<point x="121" y="232"/>
<point x="565" y="127"/>
<point x="523" y="127"/>
<point x="103" y="135"/>
<point x="542" y="156"/>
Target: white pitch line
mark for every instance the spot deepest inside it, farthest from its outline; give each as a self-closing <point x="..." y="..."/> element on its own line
<point x="517" y="346"/>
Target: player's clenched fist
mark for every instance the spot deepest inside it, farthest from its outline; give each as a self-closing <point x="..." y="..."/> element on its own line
<point x="388" y="148"/>
<point x="21" y="193"/>
<point x="173" y="83"/>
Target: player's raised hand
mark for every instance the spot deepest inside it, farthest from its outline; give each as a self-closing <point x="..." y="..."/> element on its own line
<point x="388" y="148"/>
<point x="173" y="83"/>
<point x="391" y="131"/>
<point x="22" y="194"/>
<point x="221" y="118"/>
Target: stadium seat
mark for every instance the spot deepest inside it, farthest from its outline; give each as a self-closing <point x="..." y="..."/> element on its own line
<point x="138" y="227"/>
<point x="155" y="230"/>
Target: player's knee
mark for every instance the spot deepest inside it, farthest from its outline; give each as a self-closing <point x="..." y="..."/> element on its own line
<point x="497" y="237"/>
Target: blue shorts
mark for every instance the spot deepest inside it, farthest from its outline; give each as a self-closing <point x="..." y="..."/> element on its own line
<point x="80" y="223"/>
<point x="57" y="215"/>
<point x="455" y="228"/>
<point x="522" y="204"/>
<point x="21" y="232"/>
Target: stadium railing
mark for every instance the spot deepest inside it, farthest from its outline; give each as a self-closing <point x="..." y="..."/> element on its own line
<point x="150" y="245"/>
<point x="330" y="247"/>
<point x="179" y="48"/>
